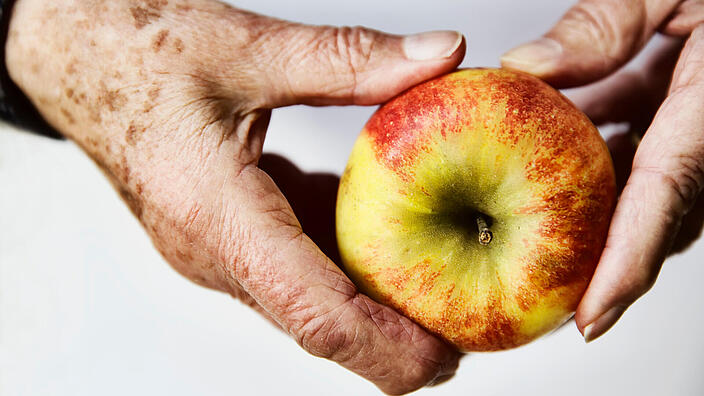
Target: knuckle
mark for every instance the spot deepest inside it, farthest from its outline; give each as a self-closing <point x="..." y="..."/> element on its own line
<point x="324" y="335"/>
<point x="353" y="51"/>
<point x="422" y="368"/>
<point x="682" y="175"/>
<point x="355" y="44"/>
<point x="603" y="27"/>
<point x="684" y="20"/>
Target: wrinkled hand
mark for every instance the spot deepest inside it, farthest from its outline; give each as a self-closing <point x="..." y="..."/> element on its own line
<point x="172" y="100"/>
<point x="590" y="42"/>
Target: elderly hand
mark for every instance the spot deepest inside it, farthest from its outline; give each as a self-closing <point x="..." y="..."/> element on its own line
<point x="172" y="100"/>
<point x="590" y="42"/>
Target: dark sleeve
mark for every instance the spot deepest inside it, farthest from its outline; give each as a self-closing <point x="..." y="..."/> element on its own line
<point x="15" y="108"/>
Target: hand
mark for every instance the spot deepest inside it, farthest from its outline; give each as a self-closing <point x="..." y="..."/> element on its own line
<point x="172" y="100"/>
<point x="591" y="41"/>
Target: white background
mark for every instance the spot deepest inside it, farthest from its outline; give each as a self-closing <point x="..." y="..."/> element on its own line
<point x="87" y="307"/>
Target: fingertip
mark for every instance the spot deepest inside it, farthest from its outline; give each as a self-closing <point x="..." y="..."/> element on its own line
<point x="425" y="56"/>
<point x="539" y="57"/>
<point x="602" y="324"/>
<point x="435" y="45"/>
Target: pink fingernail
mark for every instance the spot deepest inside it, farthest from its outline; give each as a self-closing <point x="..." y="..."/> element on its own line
<point x="431" y="45"/>
<point x="537" y="57"/>
<point x="603" y="323"/>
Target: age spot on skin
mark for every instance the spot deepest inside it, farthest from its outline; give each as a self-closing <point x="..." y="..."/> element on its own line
<point x="68" y="116"/>
<point x="92" y="142"/>
<point x="112" y="99"/>
<point x="124" y="170"/>
<point x="71" y="68"/>
<point x="133" y="133"/>
<point x="148" y="13"/>
<point x="143" y="17"/>
<point x="152" y="95"/>
<point x="159" y="40"/>
<point x="178" y="45"/>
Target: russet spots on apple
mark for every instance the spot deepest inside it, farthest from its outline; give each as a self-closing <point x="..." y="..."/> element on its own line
<point x="477" y="204"/>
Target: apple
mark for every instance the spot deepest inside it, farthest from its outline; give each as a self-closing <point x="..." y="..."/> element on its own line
<point x="477" y="204"/>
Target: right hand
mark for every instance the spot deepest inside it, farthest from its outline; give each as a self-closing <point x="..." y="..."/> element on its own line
<point x="592" y="41"/>
<point x="172" y="100"/>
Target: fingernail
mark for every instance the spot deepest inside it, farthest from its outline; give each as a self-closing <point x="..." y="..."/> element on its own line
<point x="537" y="57"/>
<point x="602" y="324"/>
<point x="431" y="45"/>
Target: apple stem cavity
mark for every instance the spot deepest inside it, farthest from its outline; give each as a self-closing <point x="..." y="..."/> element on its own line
<point x="485" y="235"/>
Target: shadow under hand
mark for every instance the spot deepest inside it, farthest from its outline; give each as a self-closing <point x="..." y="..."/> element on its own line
<point x="312" y="196"/>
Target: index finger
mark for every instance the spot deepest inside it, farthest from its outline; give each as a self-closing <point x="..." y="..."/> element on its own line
<point x="667" y="177"/>
<point x="592" y="40"/>
<point x="313" y="300"/>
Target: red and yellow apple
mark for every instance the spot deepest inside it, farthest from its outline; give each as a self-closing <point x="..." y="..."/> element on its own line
<point x="477" y="204"/>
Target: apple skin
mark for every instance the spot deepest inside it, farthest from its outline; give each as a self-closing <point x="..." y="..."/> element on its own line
<point x="478" y="142"/>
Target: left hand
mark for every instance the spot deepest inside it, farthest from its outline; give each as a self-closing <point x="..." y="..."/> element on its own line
<point x="172" y="99"/>
<point x="591" y="41"/>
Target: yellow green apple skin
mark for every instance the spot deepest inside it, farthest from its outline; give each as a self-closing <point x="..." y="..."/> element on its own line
<point x="489" y="143"/>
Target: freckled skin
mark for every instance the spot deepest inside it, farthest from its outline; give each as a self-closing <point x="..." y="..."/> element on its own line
<point x="122" y="80"/>
<point x="495" y="142"/>
<point x="160" y="39"/>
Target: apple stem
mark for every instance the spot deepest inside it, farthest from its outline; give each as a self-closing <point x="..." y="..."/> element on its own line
<point x="485" y="235"/>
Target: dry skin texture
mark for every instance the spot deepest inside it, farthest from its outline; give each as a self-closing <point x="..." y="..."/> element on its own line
<point x="494" y="142"/>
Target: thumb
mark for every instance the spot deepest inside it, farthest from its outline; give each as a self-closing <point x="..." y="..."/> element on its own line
<point x="592" y="40"/>
<point x="324" y="65"/>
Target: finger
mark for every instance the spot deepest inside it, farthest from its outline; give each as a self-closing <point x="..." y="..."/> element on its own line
<point x="312" y="299"/>
<point x="312" y="197"/>
<point x="686" y="17"/>
<point x="593" y="39"/>
<point x="668" y="174"/>
<point x="324" y="65"/>
<point x="631" y="95"/>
